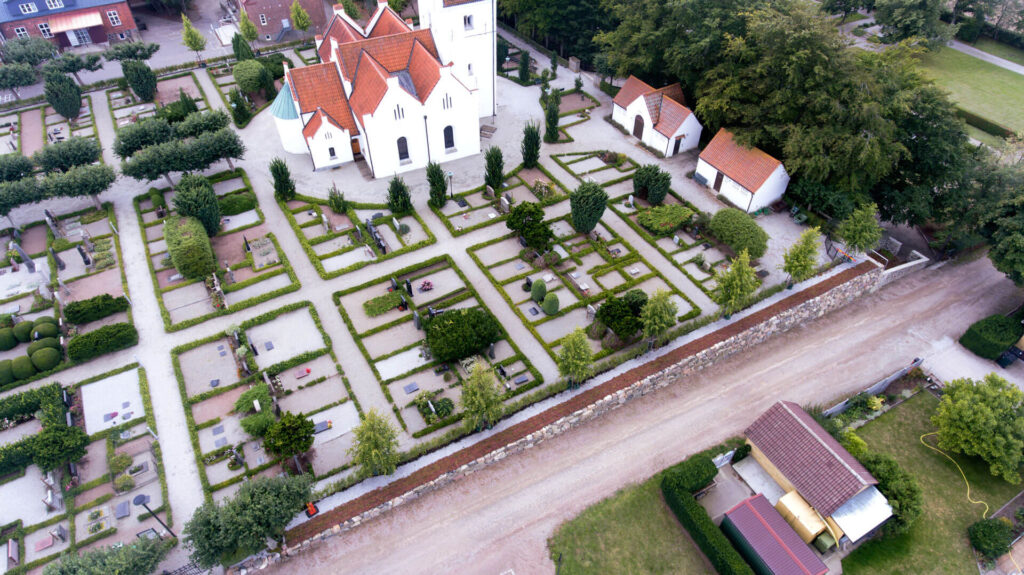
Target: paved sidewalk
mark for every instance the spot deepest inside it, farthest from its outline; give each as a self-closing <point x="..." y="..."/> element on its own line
<point x="982" y="55"/>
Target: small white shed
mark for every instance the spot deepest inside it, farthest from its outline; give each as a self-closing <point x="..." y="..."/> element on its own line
<point x="657" y="117"/>
<point x="748" y="177"/>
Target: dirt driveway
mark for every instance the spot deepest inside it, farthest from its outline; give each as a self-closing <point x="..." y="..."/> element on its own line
<point x="500" y="518"/>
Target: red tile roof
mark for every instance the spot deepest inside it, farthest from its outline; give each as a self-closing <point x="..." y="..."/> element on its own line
<point x="392" y="52"/>
<point x="448" y="3"/>
<point x="774" y="541"/>
<point x="314" y="123"/>
<point x="342" y="32"/>
<point x="369" y="87"/>
<point x="631" y="90"/>
<point x="424" y="70"/>
<point x="666" y="106"/>
<point x="319" y="85"/>
<point x="823" y="472"/>
<point x="672" y="115"/>
<point x="388" y="24"/>
<point x="749" y="167"/>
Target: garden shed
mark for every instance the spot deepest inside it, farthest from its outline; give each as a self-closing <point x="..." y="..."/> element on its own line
<point x="657" y="117"/>
<point x="749" y="178"/>
<point x="767" y="542"/>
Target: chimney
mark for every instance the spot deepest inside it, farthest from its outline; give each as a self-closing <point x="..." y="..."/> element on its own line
<point x="339" y="8"/>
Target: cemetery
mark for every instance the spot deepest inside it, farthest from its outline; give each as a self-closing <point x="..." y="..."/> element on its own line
<point x="10" y="134"/>
<point x="573" y="109"/>
<point x="126" y="108"/>
<point x="58" y="128"/>
<point x="601" y="166"/>
<point x="235" y="385"/>
<point x="102" y="496"/>
<point x="346" y="236"/>
<point x="223" y="77"/>
<point x="238" y="267"/>
<point x="421" y="330"/>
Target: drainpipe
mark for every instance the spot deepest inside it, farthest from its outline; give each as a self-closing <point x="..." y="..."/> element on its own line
<point x="426" y="134"/>
<point x="751" y="202"/>
<point x="494" y="76"/>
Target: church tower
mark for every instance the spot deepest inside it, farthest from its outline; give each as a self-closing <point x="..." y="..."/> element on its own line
<point x="465" y="33"/>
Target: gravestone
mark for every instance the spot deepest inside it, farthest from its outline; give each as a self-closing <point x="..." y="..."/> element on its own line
<point x="44" y="292"/>
<point x="327" y="225"/>
<point x="394" y="222"/>
<point x="246" y="241"/>
<point x="431" y="311"/>
<point x="503" y="206"/>
<point x="31" y="265"/>
<point x="574" y="64"/>
<point x="675" y="239"/>
<point x="408" y="287"/>
<point x="394" y="284"/>
<point x="490" y="351"/>
<point x="405" y="304"/>
<point x="490" y="192"/>
<point x="56" y="258"/>
<point x="53" y="227"/>
<point x="416" y="320"/>
<point x="591" y="312"/>
<point x="17" y="235"/>
<point x="89" y="247"/>
<point x="630" y="202"/>
<point x="359" y="233"/>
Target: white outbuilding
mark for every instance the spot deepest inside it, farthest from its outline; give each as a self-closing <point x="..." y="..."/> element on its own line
<point x="657" y="117"/>
<point x="748" y="177"/>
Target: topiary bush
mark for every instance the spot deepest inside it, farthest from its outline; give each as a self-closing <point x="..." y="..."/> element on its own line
<point x="237" y="203"/>
<point x="45" y="319"/>
<point x="538" y="290"/>
<point x="456" y="334"/>
<point x="257" y="424"/>
<point x="46" y="359"/>
<point x="104" y="340"/>
<point x="7" y="339"/>
<point x="739" y="231"/>
<point x="44" y="330"/>
<point x="550" y="305"/>
<point x="189" y="247"/>
<point x="44" y="343"/>
<point x="991" y="336"/>
<point x="444" y="407"/>
<point x="663" y="220"/>
<point x="22" y="368"/>
<point x="23" y="331"/>
<point x="990" y="537"/>
<point x="6" y="374"/>
<point x="652" y="183"/>
<point x="94" y="308"/>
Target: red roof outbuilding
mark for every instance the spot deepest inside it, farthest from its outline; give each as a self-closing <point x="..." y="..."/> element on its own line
<point x="762" y="530"/>
<point x="666" y="106"/>
<point x="748" y="167"/>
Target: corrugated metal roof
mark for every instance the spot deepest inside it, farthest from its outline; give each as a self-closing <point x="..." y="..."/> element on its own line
<point x="861" y="514"/>
<point x="774" y="541"/>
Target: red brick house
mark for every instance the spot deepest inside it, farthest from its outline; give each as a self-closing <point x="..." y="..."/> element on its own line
<point x="68" y="22"/>
<point x="273" y="18"/>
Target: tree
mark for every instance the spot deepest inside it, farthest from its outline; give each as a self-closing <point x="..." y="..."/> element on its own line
<point x="481" y="398"/>
<point x="587" y="204"/>
<point x="73" y="63"/>
<point x="140" y="78"/>
<point x="375" y="450"/>
<point x="524" y="66"/>
<point x="155" y="161"/>
<point x="551" y="119"/>
<point x="240" y="111"/>
<point x="64" y="95"/>
<point x="538" y="290"/>
<point x="14" y="76"/>
<point x="902" y="19"/>
<point x="618" y="315"/>
<point x="206" y="537"/>
<point x="899" y="487"/>
<point x="1004" y="228"/>
<point x="241" y="48"/>
<point x="991" y="537"/>
<point x="984" y="419"/>
<point x="33" y="51"/>
<point x="658" y="314"/>
<point x="64" y="155"/>
<point x="189" y="247"/>
<point x="124" y="51"/>
<point x="800" y="259"/>
<point x="530" y="146"/>
<point x="336" y="200"/>
<point x="250" y="75"/>
<point x="494" y="171"/>
<point x="290" y="436"/>
<point x="247" y="28"/>
<point x="14" y="167"/>
<point x="198" y="123"/>
<point x="19" y="192"/>
<point x="438" y="188"/>
<point x="736" y="284"/>
<point x="196" y="198"/>
<point x="737" y="229"/>
<point x="212" y="147"/>
<point x="527" y="219"/>
<point x="140" y="557"/>
<point x="575" y="359"/>
<point x="192" y="38"/>
<point x="861" y="232"/>
<point x="844" y="7"/>
<point x="457" y="334"/>
<point x="284" y="187"/>
<point x="550" y="303"/>
<point x="56" y="445"/>
<point x="89" y="180"/>
<point x="399" y="200"/>
<point x="300" y="18"/>
<point x="652" y="183"/>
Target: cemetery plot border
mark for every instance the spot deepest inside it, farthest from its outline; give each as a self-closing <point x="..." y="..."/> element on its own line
<point x="218" y="71"/>
<point x="308" y="56"/>
<point x="357" y="233"/>
<point x="622" y="163"/>
<point x="13" y="128"/>
<point x="91" y="125"/>
<point x="127" y="99"/>
<point x="583" y="112"/>
<point x="39" y="109"/>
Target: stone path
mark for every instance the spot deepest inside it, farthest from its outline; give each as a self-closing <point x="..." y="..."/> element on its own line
<point x="31" y="131"/>
<point x="982" y="55"/>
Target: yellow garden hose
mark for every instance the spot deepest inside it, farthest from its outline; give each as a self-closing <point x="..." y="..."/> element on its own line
<point x="968" y="483"/>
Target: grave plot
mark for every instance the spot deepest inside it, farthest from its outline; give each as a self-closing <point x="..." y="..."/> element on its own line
<point x="236" y="384"/>
<point x="585" y="271"/>
<point x="32" y="131"/>
<point x="250" y="266"/>
<point x="10" y="134"/>
<point x="222" y="77"/>
<point x="59" y="128"/>
<point x="89" y="502"/>
<point x="390" y="318"/>
<point x="601" y="166"/>
<point x="479" y="207"/>
<point x="126" y="108"/>
<point x="573" y="109"/>
<point x="308" y="55"/>
<point x="347" y="236"/>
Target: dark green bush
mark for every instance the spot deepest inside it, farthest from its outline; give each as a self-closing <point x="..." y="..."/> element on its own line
<point x="652" y="183"/>
<point x="33" y="400"/>
<point x="991" y="336"/>
<point x="6" y="373"/>
<point x="16" y="456"/>
<point x="46" y="359"/>
<point x="22" y="368"/>
<point x="694" y="473"/>
<point x="44" y="319"/>
<point x="44" y="330"/>
<point x="237" y="203"/>
<point x="739" y="231"/>
<point x="274" y="63"/>
<point x="460" y="333"/>
<point x="550" y="305"/>
<point x="444" y="407"/>
<point x="257" y="424"/>
<point x="7" y="339"/>
<point x="23" y="331"/>
<point x="46" y="342"/>
<point x="707" y="535"/>
<point x="156" y="197"/>
<point x="259" y="392"/>
<point x="94" y="308"/>
<point x="189" y="247"/>
<point x="104" y="340"/>
<point x="664" y="220"/>
<point x="899" y="487"/>
<point x="991" y="537"/>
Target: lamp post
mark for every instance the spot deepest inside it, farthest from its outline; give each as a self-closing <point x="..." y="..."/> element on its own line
<point x="141" y="500"/>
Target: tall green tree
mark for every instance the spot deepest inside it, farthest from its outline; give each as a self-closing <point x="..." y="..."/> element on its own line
<point x="551" y="134"/>
<point x="1005" y="231"/>
<point x="375" y="450"/>
<point x="32" y="50"/>
<point x="903" y="19"/>
<point x="247" y="27"/>
<point x="575" y="359"/>
<point x="74" y="63"/>
<point x="651" y="182"/>
<point x="140" y="557"/>
<point x="156" y="161"/>
<point x="494" y="170"/>
<point x="658" y="314"/>
<point x="88" y="180"/>
<point x="64" y="155"/>
<point x="284" y="187"/>
<point x="15" y="76"/>
<point x="736" y="284"/>
<point x="64" y="95"/>
<point x="123" y="51"/>
<point x="438" y="188"/>
<point x="399" y="198"/>
<point x="195" y="197"/>
<point x="587" y="204"/>
<point x="801" y="258"/>
<point x="200" y="122"/>
<point x="290" y="436"/>
<point x="14" y="167"/>
<point x="861" y="232"/>
<point x="241" y="48"/>
<point x="984" y="419"/>
<point x="530" y="147"/>
<point x="527" y="220"/>
<point x="250" y="76"/>
<point x="524" y="66"/>
<point x="481" y="399"/>
<point x="140" y="78"/>
<point x="300" y="18"/>
<point x="192" y="38"/>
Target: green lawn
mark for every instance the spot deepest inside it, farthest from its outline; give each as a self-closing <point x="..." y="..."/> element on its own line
<point x="937" y="543"/>
<point x="855" y="17"/>
<point x="983" y="136"/>
<point x="632" y="531"/>
<point x="1004" y="51"/>
<point x="980" y="87"/>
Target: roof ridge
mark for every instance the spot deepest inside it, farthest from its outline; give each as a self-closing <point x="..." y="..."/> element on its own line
<point x="771" y="530"/>
<point x="785" y="405"/>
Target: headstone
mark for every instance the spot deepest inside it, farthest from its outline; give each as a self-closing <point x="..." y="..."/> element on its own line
<point x="574" y="64"/>
<point x="675" y="239"/>
<point x="490" y="351"/>
<point x="405" y="304"/>
<point x="17" y="235"/>
<point x="48" y="214"/>
<point x="31" y="265"/>
<point x="416" y="320"/>
<point x="56" y="258"/>
<point x="246" y="241"/>
<point x="504" y="207"/>
<point x="89" y="246"/>
<point x="408" y="287"/>
<point x="631" y="202"/>
<point x="53" y="227"/>
<point x="394" y="222"/>
<point x="44" y="292"/>
<point x="431" y="311"/>
<point x="327" y="224"/>
<point x="490" y="192"/>
<point x="85" y="256"/>
<point x="529" y="283"/>
<point x="394" y="284"/>
<point x="591" y="312"/>
<point x="359" y="233"/>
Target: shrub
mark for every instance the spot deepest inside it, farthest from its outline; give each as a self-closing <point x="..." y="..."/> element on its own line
<point x="530" y="146"/>
<point x="46" y="342"/>
<point x="259" y="392"/>
<point x="494" y="169"/>
<point x="899" y="487"/>
<point x="636" y="299"/>
<point x="382" y="304"/>
<point x="250" y="75"/>
<point x="257" y="424"/>
<point x="739" y="231"/>
<point x="336" y="200"/>
<point x="106" y="339"/>
<point x="45" y="330"/>
<point x="22" y="368"/>
<point x="156" y="197"/>
<point x="274" y="63"/>
<point x="550" y="305"/>
<point x="94" y="308"/>
<point x="64" y="95"/>
<point x="617" y="315"/>
<point x="141" y="79"/>
<point x="237" y="203"/>
<point x="196" y="198"/>
<point x="6" y="373"/>
<point x="538" y="290"/>
<point x="284" y="186"/>
<point x="596" y="329"/>
<point x="23" y="331"/>
<point x="444" y="407"/>
<point x="587" y="204"/>
<point x="663" y="220"/>
<point x="652" y="183"/>
<point x="694" y="473"/>
<point x="991" y="336"/>
<point x="707" y="535"/>
<point x="124" y="483"/>
<point x="119" y="463"/>
<point x="189" y="247"/>
<point x="399" y="200"/>
<point x="7" y="339"/>
<point x="990" y="537"/>
<point x="240" y="111"/>
<point x="460" y="333"/>
<point x="44" y="319"/>
<point x="46" y="359"/>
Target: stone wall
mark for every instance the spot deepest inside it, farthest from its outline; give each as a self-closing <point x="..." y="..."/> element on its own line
<point x="780" y="322"/>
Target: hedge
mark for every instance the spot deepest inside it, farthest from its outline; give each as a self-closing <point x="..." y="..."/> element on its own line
<point x="104" y="340"/>
<point x="189" y="247"/>
<point x="94" y="308"/>
<point x="44" y="331"/>
<point x="237" y="203"/>
<point x="46" y="359"/>
<point x="739" y="231"/>
<point x="694" y="473"/>
<point x="22" y="367"/>
<point x="991" y="336"/>
<point x="7" y="339"/>
<point x="29" y="402"/>
<point x="983" y="123"/>
<point x="46" y="342"/>
<point x="23" y="331"/>
<point x="707" y="535"/>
